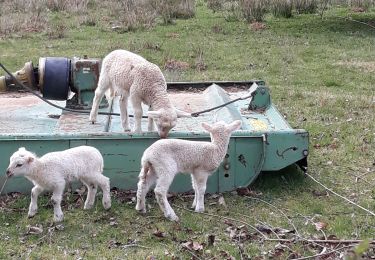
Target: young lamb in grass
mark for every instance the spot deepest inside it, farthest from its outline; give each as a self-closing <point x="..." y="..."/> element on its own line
<point x="165" y="158"/>
<point x="130" y="75"/>
<point x="53" y="170"/>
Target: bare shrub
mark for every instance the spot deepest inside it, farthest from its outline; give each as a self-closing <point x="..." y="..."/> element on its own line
<point x="171" y="9"/>
<point x="131" y="14"/>
<point x="253" y="10"/>
<point x="306" y="6"/>
<point x="282" y="8"/>
<point x="361" y="4"/>
<point x="215" y="5"/>
<point x="232" y="11"/>
<point x="72" y="6"/>
<point x="21" y="17"/>
<point x="200" y="64"/>
<point x="56" y="30"/>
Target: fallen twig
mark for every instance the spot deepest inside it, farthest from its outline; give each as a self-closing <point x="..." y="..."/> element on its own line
<point x="356" y="21"/>
<point x="194" y="255"/>
<point x="134" y="245"/>
<point x="322" y="254"/>
<point x="233" y="219"/>
<point x="329" y="241"/>
<point x="290" y="222"/>
<point x="348" y="200"/>
<point x="2" y="188"/>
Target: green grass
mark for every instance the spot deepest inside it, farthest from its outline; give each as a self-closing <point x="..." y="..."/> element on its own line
<point x="311" y="66"/>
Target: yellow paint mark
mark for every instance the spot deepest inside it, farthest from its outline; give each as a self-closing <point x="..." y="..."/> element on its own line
<point x="258" y="125"/>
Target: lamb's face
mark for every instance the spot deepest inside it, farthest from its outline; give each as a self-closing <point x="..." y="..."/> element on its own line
<point x="19" y="163"/>
<point x="166" y="119"/>
<point x="165" y="123"/>
<point x="221" y="129"/>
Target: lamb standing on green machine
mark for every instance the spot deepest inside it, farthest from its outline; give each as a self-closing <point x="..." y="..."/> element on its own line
<point x="131" y="76"/>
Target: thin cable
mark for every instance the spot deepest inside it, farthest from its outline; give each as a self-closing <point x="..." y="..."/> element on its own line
<point x="348" y="200"/>
<point x="54" y="105"/>
<point x="194" y="114"/>
<point x="2" y="188"/>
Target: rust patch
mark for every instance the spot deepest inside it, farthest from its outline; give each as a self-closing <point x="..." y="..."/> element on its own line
<point x="14" y="101"/>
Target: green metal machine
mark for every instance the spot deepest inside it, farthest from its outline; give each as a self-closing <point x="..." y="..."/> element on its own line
<point x="266" y="141"/>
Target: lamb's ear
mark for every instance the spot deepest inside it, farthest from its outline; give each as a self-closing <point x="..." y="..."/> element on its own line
<point x="30" y="159"/>
<point x="207" y="127"/>
<point x="235" y="125"/>
<point x="153" y="114"/>
<point x="22" y="149"/>
<point x="181" y="113"/>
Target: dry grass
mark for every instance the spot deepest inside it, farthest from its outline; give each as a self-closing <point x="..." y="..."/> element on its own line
<point x="282" y="8"/>
<point x="22" y="16"/>
<point x="306" y="6"/>
<point x="254" y="10"/>
<point x="365" y="66"/>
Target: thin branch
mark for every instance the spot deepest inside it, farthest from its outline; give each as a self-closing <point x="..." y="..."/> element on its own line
<point x="348" y="200"/>
<point x="232" y="219"/>
<point x="329" y="241"/>
<point x="5" y="182"/>
<point x="134" y="245"/>
<point x="268" y="226"/>
<point x="322" y="254"/>
<point x="271" y="205"/>
<point x="356" y="21"/>
<point x="194" y="255"/>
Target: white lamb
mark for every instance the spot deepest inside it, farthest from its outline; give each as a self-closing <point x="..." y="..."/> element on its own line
<point x="129" y="75"/>
<point x="167" y="157"/>
<point x="53" y="170"/>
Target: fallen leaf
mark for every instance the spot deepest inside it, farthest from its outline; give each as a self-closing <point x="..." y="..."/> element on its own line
<point x="264" y="229"/>
<point x="222" y="202"/>
<point x="318" y="193"/>
<point x="320" y="225"/>
<point x="113" y="243"/>
<point x="226" y="255"/>
<point x="159" y="233"/>
<point x="283" y="231"/>
<point x="192" y="245"/>
<point x="244" y="191"/>
<point x="210" y="240"/>
<point x="34" y="230"/>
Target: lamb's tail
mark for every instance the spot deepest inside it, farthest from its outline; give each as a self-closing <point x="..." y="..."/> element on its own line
<point x="146" y="170"/>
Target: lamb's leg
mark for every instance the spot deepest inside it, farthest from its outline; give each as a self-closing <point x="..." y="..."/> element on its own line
<point x="124" y="111"/>
<point x="104" y="184"/>
<point x="91" y="192"/>
<point x="137" y="107"/>
<point x="56" y="199"/>
<point x="144" y="184"/>
<point x="151" y="126"/>
<point x="200" y="182"/>
<point x="161" y="189"/>
<point x="103" y="85"/>
<point x="33" y="208"/>
<point x="195" y="191"/>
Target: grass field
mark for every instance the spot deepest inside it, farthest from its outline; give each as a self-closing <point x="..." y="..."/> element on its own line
<point x="321" y="73"/>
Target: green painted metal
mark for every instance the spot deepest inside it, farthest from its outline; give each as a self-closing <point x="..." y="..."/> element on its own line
<point x="84" y="77"/>
<point x="265" y="143"/>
